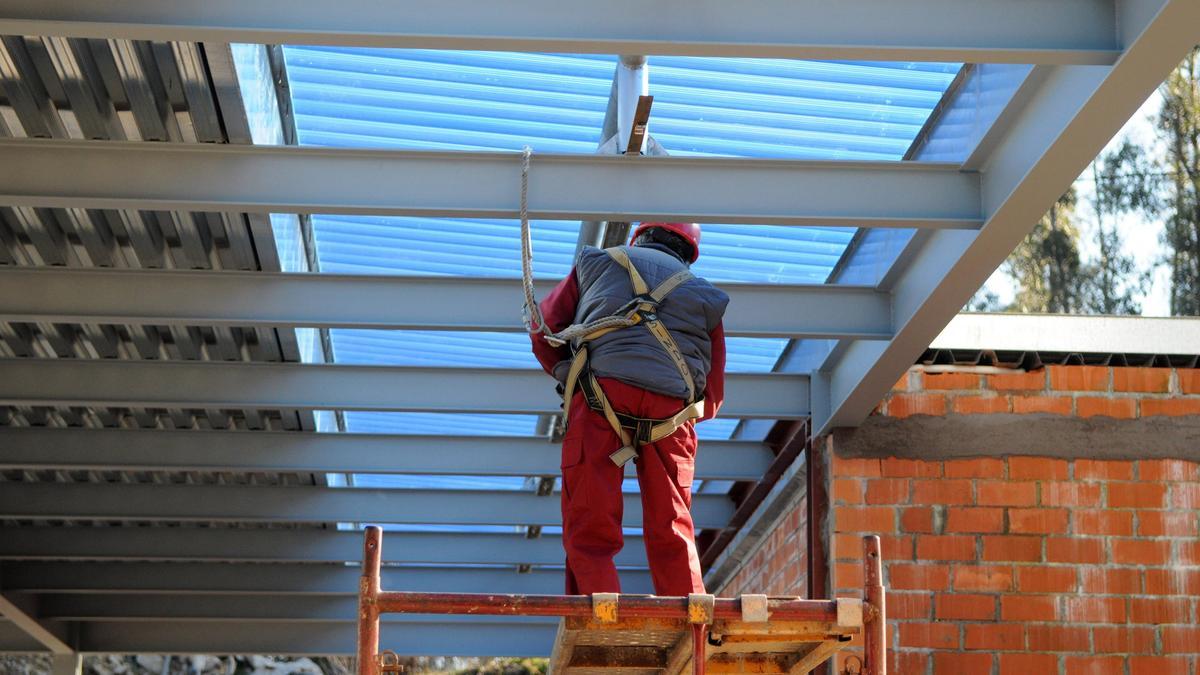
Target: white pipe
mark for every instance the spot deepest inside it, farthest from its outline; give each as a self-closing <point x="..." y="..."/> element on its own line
<point x="633" y="81"/>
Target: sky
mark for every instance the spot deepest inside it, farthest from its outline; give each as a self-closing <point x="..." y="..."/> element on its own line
<point x="1141" y="237"/>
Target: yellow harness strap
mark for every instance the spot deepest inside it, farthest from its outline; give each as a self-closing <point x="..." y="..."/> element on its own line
<point x="643" y="312"/>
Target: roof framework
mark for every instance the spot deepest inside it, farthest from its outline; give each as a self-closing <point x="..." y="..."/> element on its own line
<point x="214" y="470"/>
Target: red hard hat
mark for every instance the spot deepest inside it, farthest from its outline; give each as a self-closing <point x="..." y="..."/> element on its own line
<point x="689" y="231"/>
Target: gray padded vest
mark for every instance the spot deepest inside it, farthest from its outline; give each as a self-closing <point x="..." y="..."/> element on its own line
<point x="632" y="355"/>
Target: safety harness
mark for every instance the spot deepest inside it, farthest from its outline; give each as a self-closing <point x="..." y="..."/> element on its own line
<point x="641" y="309"/>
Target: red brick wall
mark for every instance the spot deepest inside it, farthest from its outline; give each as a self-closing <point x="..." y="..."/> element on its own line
<point x="780" y="564"/>
<point x="1028" y="565"/>
<point x="1020" y="565"/>
<point x="1082" y="391"/>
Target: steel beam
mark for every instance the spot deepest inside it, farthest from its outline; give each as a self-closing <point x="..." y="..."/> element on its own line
<point x="240" y="608"/>
<point x="1015" y="31"/>
<point x="290" y="452"/>
<point x="434" y="638"/>
<point x="254" y="579"/>
<point x="256" y="179"/>
<point x="228" y="503"/>
<point x="237" y="609"/>
<point x="59" y="295"/>
<point x="147" y="384"/>
<point x="286" y="545"/>
<point x="1062" y="128"/>
<point x="24" y="613"/>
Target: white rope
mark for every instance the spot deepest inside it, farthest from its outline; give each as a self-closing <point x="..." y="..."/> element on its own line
<point x="532" y="315"/>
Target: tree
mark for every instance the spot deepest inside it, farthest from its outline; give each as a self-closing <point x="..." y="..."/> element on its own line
<point x="1046" y="266"/>
<point x="1179" y="128"/>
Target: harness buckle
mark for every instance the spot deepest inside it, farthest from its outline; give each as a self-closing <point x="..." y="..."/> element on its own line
<point x="643" y="430"/>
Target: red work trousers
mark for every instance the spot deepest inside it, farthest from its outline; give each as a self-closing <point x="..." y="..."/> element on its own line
<point x="592" y="502"/>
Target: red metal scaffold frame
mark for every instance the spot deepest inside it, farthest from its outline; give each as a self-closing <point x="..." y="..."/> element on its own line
<point x="373" y="601"/>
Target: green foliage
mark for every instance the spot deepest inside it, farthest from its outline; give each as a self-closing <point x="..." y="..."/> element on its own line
<point x="1179" y="126"/>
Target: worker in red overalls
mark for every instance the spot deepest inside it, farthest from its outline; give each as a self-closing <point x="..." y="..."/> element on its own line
<point x="634" y="393"/>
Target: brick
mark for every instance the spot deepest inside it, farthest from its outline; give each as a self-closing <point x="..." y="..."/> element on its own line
<point x="994" y="578"/>
<point x="1102" y="406"/>
<point x="848" y="576"/>
<point x="847" y="491"/>
<point x="1185" y="496"/>
<point x="1103" y="469"/>
<point x="1102" y="522"/>
<point x="1170" y="407"/>
<point x="1028" y="608"/>
<point x="1053" y="405"/>
<point x="1037" y="521"/>
<point x="949" y="663"/>
<point x="993" y="636"/>
<point x="949" y="381"/>
<point x="1160" y="610"/>
<point x="888" y="491"/>
<point x="983" y="467"/>
<point x="1062" y="493"/>
<point x="1074" y="550"/>
<point x="945" y="547"/>
<point x="1123" y="639"/>
<point x="943" y="491"/>
<point x="1156" y="380"/>
<point x="1028" y="664"/>
<point x="902" y="383"/>
<point x="1089" y="609"/>
<point x="1094" y="665"/>
<point x="1012" y="548"/>
<point x="1110" y="580"/>
<point x="1188" y="553"/>
<point x="909" y="605"/>
<point x="916" y="519"/>
<point x="1078" y="378"/>
<point x="1180" y="639"/>
<point x="1172" y="582"/>
<point x="1140" y="552"/>
<point x="1157" y="665"/>
<point x="1038" y="579"/>
<point x="974" y="519"/>
<point x="848" y="547"/>
<point x="854" y="468"/>
<point x="1167" y="524"/>
<point x="1037" y="468"/>
<point x="871" y="519"/>
<point x="1189" y="380"/>
<point x="1057" y="638"/>
<point x="1168" y="470"/>
<point x="907" y="405"/>
<point x="895" y="467"/>
<point x="929" y="635"/>
<point x="1137" y="495"/>
<point x="981" y="405"/>
<point x="1031" y="381"/>
<point x="1004" y="493"/>
<point x="923" y="577"/>
<point x="908" y="662"/>
<point x="969" y="606"/>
